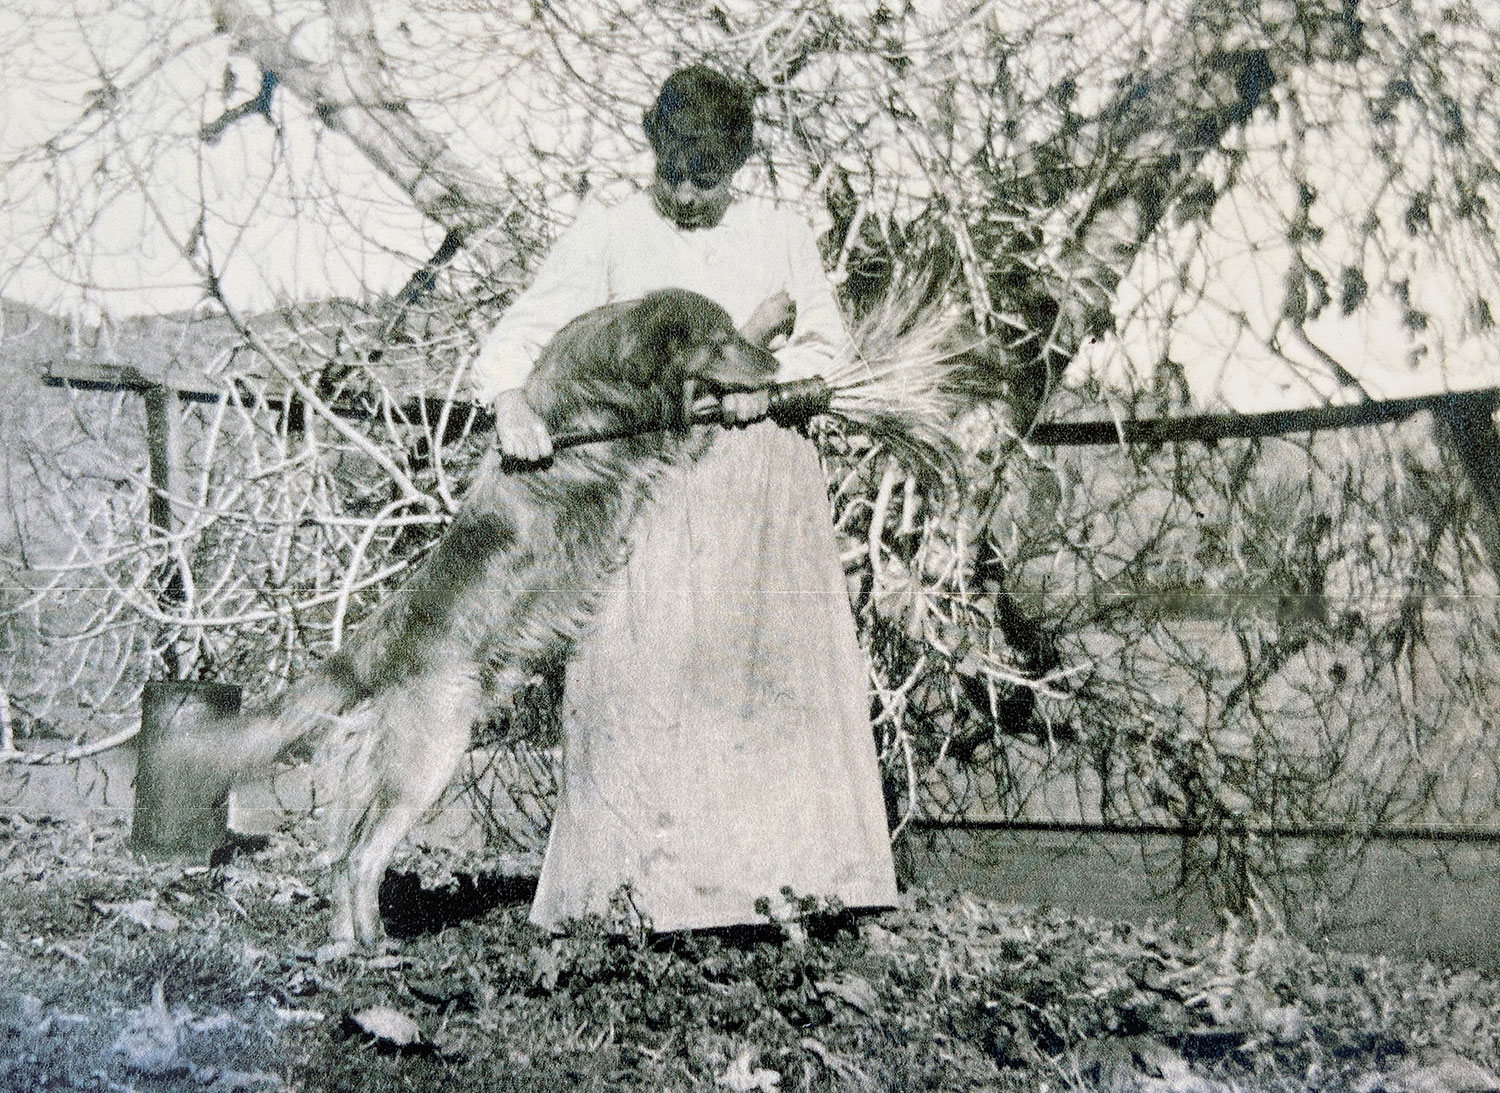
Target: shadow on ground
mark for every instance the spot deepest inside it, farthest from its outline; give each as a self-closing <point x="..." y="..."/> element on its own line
<point x="412" y="910"/>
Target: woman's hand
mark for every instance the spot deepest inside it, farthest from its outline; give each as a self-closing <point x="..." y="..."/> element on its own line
<point x="774" y="315"/>
<point x="522" y="435"/>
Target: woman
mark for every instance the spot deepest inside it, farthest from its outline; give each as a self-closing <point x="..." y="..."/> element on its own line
<point x="717" y="739"/>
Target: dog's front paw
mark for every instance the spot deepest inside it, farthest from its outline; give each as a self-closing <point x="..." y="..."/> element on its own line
<point x="353" y="926"/>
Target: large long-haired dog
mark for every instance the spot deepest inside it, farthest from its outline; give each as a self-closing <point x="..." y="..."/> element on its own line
<point x="511" y="580"/>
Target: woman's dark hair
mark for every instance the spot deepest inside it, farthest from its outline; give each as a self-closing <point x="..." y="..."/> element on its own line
<point x="702" y="124"/>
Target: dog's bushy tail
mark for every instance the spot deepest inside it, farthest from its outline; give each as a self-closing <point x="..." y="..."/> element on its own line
<point x="221" y="752"/>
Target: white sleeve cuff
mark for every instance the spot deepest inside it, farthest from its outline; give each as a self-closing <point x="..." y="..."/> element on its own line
<point x="498" y="366"/>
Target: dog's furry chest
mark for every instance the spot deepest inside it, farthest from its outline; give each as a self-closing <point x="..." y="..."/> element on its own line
<point x="516" y="577"/>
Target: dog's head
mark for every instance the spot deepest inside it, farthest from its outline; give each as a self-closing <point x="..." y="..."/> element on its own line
<point x="641" y="362"/>
<point x="683" y="337"/>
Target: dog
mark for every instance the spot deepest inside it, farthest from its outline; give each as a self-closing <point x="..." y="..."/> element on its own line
<point x="511" y="581"/>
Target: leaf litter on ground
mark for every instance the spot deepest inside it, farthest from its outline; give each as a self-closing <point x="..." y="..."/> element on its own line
<point x="945" y="992"/>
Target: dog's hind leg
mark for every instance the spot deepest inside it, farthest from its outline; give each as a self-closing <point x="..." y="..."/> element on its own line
<point x="422" y="736"/>
<point x="351" y="762"/>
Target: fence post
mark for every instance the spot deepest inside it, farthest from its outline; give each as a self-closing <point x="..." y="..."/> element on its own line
<point x="161" y="454"/>
<point x="175" y="812"/>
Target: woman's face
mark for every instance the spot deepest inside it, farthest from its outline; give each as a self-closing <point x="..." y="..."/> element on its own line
<point x="691" y="200"/>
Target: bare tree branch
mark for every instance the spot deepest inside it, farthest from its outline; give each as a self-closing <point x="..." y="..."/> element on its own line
<point x="351" y="97"/>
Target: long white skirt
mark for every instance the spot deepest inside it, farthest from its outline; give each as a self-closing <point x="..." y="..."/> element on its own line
<point x="717" y="737"/>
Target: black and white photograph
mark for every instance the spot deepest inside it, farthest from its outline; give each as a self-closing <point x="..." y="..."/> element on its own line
<point x="853" y="546"/>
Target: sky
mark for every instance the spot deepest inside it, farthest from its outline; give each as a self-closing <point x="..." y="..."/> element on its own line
<point x="1214" y="293"/>
<point x="108" y="221"/>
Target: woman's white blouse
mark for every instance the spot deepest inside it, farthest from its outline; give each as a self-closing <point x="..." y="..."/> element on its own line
<point x="621" y="252"/>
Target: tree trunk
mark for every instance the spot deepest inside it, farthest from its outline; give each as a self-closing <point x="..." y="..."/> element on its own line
<point x="1466" y="428"/>
<point x="351" y="96"/>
